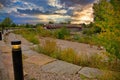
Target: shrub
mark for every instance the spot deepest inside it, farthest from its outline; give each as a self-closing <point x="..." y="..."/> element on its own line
<point x="83" y="60"/>
<point x="43" y="32"/>
<point x="49" y="47"/>
<point x="62" y="33"/>
<point x="68" y="55"/>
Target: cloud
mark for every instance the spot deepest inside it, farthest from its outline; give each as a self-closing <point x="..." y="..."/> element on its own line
<point x="77" y="11"/>
<point x="74" y="2"/>
<point x="29" y="11"/>
<point x="85" y="16"/>
<point x="62" y="11"/>
<point x="5" y="2"/>
<point x="55" y="3"/>
<point x="1" y="6"/>
<point x="51" y="17"/>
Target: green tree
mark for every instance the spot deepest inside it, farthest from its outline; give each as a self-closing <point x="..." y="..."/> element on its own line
<point x="7" y="22"/>
<point x="51" y="22"/>
<point x="63" y="32"/>
<point x="13" y="25"/>
<point x="107" y="18"/>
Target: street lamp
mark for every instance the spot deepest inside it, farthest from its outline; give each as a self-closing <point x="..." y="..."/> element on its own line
<point x="0" y="35"/>
<point x="17" y="60"/>
<point x="2" y="30"/>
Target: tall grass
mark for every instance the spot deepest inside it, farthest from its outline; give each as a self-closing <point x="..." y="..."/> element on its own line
<point x="29" y="34"/>
<point x="109" y="75"/>
<point x="68" y="55"/>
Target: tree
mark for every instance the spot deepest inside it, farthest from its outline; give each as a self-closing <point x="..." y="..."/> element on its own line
<point x="63" y="32"/>
<point x="105" y="18"/>
<point x="13" y="25"/>
<point x="7" y="22"/>
<point x="51" y="22"/>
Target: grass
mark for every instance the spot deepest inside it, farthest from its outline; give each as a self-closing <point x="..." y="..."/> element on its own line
<point x="68" y="55"/>
<point x="109" y="75"/>
<point x="30" y="35"/>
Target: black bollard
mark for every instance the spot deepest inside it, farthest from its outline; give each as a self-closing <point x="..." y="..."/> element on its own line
<point x="17" y="60"/>
<point x="0" y="35"/>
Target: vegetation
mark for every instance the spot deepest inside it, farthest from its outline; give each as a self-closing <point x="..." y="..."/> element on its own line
<point x="29" y="34"/>
<point x="7" y="22"/>
<point x="105" y="28"/>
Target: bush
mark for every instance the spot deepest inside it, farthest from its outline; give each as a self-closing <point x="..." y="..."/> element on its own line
<point x="43" y="32"/>
<point x="68" y="55"/>
<point x="62" y="33"/>
<point x="49" y="46"/>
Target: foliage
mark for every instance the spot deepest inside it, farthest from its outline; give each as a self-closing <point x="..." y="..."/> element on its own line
<point x="6" y="22"/>
<point x="49" y="47"/>
<point x="62" y="33"/>
<point x="68" y="55"/>
<point x="43" y="32"/>
<point x="109" y="75"/>
<point x="107" y="25"/>
<point x="29" y="34"/>
<point x="51" y="22"/>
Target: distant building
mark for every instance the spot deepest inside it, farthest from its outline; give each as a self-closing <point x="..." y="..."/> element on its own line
<point x="71" y="27"/>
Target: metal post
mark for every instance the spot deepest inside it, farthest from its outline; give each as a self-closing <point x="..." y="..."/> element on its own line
<point x="0" y="35"/>
<point x="17" y="60"/>
<point x="2" y="30"/>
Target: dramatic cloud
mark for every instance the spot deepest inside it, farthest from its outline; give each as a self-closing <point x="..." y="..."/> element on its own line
<point x="5" y="2"/>
<point x="74" y="2"/>
<point x="51" y="17"/>
<point x="84" y="16"/>
<point x="1" y="6"/>
<point x="34" y="11"/>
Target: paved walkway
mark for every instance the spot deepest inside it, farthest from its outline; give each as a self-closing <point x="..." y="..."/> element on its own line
<point x="41" y="67"/>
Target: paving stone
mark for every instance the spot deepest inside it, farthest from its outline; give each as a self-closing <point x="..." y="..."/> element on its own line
<point x="29" y="53"/>
<point x="25" y="47"/>
<point x="90" y="72"/>
<point x="61" y="67"/>
<point x="2" y="43"/>
<point x="39" y="59"/>
<point x="4" y="48"/>
<point x="3" y="70"/>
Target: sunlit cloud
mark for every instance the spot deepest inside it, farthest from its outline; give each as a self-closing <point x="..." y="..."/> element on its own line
<point x="76" y="11"/>
<point x="84" y="16"/>
<point x="61" y="11"/>
<point x="55" y="3"/>
<point x="52" y="17"/>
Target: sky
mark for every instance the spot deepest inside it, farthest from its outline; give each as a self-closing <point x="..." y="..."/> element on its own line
<point x="43" y="11"/>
